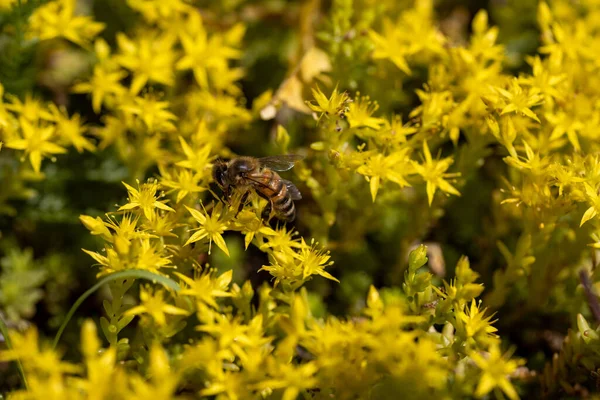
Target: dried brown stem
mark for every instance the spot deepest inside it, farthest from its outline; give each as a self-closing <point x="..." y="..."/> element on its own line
<point x="592" y="298"/>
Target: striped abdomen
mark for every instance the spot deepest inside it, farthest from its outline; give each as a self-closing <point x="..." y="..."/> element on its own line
<point x="269" y="185"/>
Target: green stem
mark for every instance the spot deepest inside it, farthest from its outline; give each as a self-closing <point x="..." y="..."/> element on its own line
<point x="4" y="331"/>
<point x="135" y="274"/>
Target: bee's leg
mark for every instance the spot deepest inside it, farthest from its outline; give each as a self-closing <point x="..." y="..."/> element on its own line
<point x="242" y="202"/>
<point x="266" y="213"/>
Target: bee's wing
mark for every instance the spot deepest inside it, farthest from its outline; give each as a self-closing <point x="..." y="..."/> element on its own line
<point x="281" y="162"/>
<point x="292" y="189"/>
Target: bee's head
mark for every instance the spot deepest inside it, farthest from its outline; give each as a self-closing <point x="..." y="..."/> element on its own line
<point x="219" y="173"/>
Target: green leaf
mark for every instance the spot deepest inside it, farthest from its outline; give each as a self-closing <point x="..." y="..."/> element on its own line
<point x="133" y="273"/>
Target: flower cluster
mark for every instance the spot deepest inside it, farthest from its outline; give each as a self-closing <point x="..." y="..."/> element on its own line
<point x="410" y="128"/>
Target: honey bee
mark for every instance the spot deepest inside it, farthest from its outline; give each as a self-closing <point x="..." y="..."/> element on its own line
<point x="258" y="174"/>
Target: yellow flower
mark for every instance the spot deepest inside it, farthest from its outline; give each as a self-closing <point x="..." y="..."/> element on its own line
<point x="390" y="45"/>
<point x="149" y="58"/>
<point x="314" y="261"/>
<point x="162" y="225"/>
<point x="104" y="85"/>
<point x="434" y="174"/>
<point x="100" y="365"/>
<point x="197" y="158"/>
<point x="203" y="54"/>
<point x="57" y="19"/>
<point x="395" y="131"/>
<point x="211" y="227"/>
<point x="476" y="324"/>
<point x="206" y="287"/>
<point x="96" y="226"/>
<point x="251" y="225"/>
<point x="282" y="239"/>
<point x="533" y="161"/>
<point x="379" y="167"/>
<point x="291" y="378"/>
<point x="7" y="4"/>
<point x="360" y="113"/>
<point x="159" y="10"/>
<point x="71" y="130"/>
<point x="31" y="108"/>
<point x="153" y="303"/>
<point x="36" y="357"/>
<point x="145" y="199"/>
<point x="152" y="113"/>
<point x="594" y="199"/>
<point x="36" y="142"/>
<point x="496" y="369"/>
<point x="163" y="380"/>
<point x="334" y="105"/>
<point x="149" y="257"/>
<point x="413" y="33"/>
<point x="520" y="101"/>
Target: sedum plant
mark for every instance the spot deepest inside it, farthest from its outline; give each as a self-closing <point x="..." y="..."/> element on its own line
<point x="429" y="138"/>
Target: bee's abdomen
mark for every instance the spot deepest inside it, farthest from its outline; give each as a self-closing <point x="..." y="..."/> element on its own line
<point x="284" y="205"/>
<point x="276" y="191"/>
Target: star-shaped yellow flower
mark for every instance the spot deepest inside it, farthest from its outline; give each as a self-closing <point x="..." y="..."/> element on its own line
<point x="145" y="199"/>
<point x="36" y="142"/>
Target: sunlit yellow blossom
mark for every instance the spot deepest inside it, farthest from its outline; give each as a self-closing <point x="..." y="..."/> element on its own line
<point x="113" y="131"/>
<point x="145" y="199"/>
<point x="521" y="101"/>
<point x="205" y="287"/>
<point x="219" y="106"/>
<point x="99" y="365"/>
<point x="395" y="131"/>
<point x="96" y="226"/>
<point x="282" y="239"/>
<point x="251" y="225"/>
<point x="230" y="332"/>
<point x="360" y="113"/>
<point x="212" y="227"/>
<point x="110" y="262"/>
<point x="413" y="33"/>
<point x="544" y="78"/>
<point x="148" y="58"/>
<point x="162" y="224"/>
<point x="434" y="174"/>
<point x="159" y="10"/>
<point x="389" y="46"/>
<point x="475" y="324"/>
<point x="57" y="19"/>
<point x="163" y="379"/>
<point x="594" y="199"/>
<point x="36" y="142"/>
<point x="203" y="54"/>
<point x="291" y="378"/>
<point x="7" y="4"/>
<point x="197" y="159"/>
<point x="150" y="257"/>
<point x="152" y="113"/>
<point x="496" y="369"/>
<point x="36" y="356"/>
<point x="380" y="168"/>
<point x="153" y="303"/>
<point x="31" y="108"/>
<point x="103" y="85"/>
<point x="72" y="130"/>
<point x="533" y="161"/>
<point x="335" y="104"/>
<point x="314" y="261"/>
